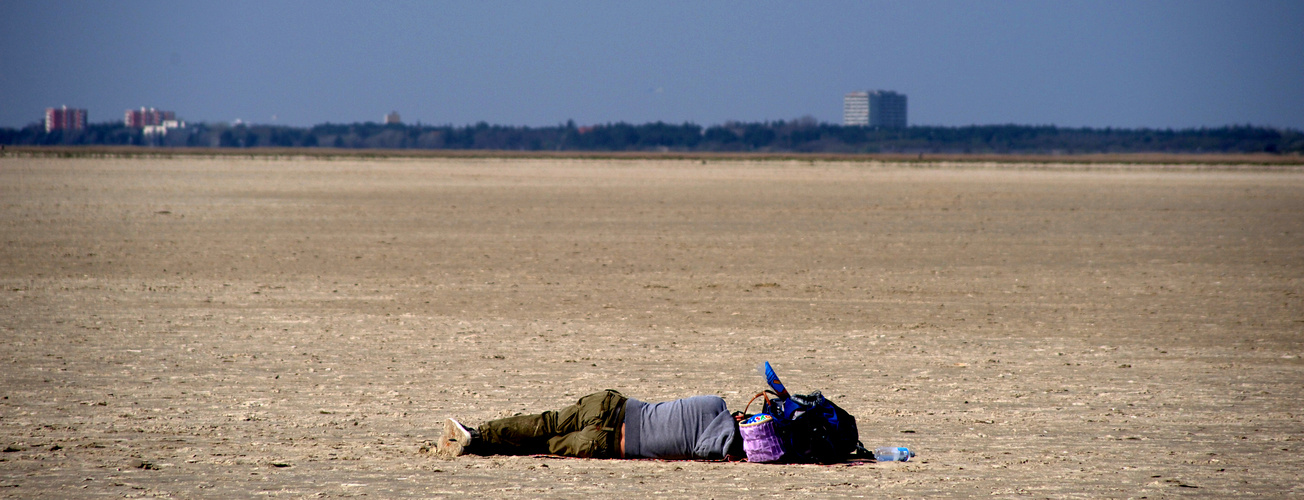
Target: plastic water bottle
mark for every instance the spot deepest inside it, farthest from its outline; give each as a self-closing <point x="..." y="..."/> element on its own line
<point x="892" y="454"/>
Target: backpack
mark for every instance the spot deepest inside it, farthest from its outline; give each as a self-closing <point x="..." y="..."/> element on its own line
<point x="811" y="429"/>
<point x="807" y="428"/>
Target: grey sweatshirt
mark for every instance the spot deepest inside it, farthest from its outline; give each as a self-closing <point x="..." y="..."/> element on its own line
<point x="699" y="427"/>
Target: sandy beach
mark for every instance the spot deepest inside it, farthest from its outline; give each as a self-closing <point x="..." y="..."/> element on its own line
<point x="230" y="327"/>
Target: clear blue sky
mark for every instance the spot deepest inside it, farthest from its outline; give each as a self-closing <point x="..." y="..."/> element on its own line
<point x="1152" y="64"/>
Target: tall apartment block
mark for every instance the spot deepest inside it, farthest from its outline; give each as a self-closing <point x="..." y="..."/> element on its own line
<point x="855" y="109"/>
<point x="64" y="119"/>
<point x="141" y="118"/>
<point x="878" y="108"/>
<point x="887" y="109"/>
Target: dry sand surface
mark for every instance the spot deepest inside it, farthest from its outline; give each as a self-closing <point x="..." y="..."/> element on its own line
<point x="228" y="327"/>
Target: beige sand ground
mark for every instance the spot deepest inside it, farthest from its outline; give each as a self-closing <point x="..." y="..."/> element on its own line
<point x="237" y="327"/>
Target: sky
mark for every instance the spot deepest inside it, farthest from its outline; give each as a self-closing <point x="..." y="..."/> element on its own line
<point x="1100" y="63"/>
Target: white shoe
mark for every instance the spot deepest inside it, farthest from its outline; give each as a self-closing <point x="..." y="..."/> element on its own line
<point x="455" y="440"/>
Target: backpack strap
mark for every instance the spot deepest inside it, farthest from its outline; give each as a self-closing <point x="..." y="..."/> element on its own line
<point x="861" y="452"/>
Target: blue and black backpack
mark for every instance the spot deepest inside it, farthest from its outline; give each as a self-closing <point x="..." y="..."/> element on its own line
<point x="813" y="429"/>
<point x="810" y="428"/>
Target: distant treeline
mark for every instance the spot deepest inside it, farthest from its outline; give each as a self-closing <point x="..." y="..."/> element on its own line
<point x="797" y="136"/>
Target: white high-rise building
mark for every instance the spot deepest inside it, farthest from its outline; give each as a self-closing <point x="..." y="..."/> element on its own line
<point x="855" y="109"/>
<point x="878" y="108"/>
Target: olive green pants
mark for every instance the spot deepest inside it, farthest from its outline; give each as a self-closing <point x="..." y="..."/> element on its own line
<point x="590" y="428"/>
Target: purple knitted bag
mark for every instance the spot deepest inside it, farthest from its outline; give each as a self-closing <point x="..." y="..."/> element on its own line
<point x="759" y="440"/>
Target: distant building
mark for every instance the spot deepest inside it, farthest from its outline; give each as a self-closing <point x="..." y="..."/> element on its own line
<point x="392" y="117"/>
<point x="64" y="119"/>
<point x="141" y="118"/>
<point x="855" y="109"/>
<point x="878" y="108"/>
<point x="162" y="128"/>
<point x="887" y="109"/>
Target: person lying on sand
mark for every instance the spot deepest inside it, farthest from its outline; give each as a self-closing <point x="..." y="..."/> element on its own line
<point x="607" y="425"/>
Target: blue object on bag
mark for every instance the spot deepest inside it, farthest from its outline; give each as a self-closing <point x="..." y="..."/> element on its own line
<point x="771" y="378"/>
